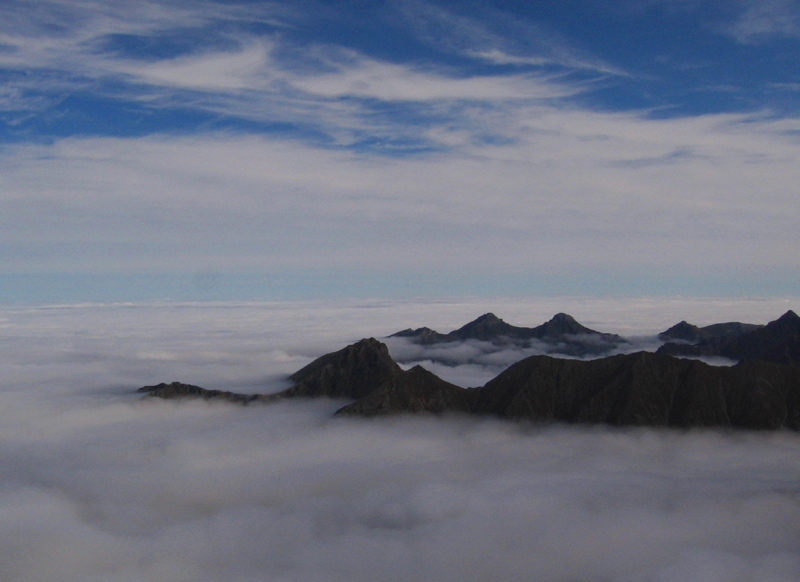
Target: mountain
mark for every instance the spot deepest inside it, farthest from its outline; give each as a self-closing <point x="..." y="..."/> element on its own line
<point x="352" y="372"/>
<point x="487" y="327"/>
<point x="687" y="332"/>
<point x="778" y="341"/>
<point x="178" y="390"/>
<point x="645" y="389"/>
<point x="640" y="389"/>
<point x="421" y="335"/>
<point x="563" y="332"/>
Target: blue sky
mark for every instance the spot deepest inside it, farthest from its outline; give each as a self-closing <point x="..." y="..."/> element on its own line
<point x="234" y="149"/>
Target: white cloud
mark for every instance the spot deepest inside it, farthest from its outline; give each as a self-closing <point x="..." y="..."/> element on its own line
<point x="567" y="187"/>
<point x="497" y="37"/>
<point x="388" y="82"/>
<point x="100" y="485"/>
<point x="760" y="20"/>
<point x="223" y="71"/>
<point x="511" y="180"/>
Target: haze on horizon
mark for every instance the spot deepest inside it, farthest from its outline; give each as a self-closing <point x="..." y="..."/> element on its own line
<point x="310" y="149"/>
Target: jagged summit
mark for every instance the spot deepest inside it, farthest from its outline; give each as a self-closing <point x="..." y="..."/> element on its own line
<point x="352" y="372"/>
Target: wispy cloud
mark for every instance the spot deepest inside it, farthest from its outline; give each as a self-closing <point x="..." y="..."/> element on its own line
<point x="499" y="38"/>
<point x="322" y="153"/>
<point x="339" y="93"/>
<point x="761" y="20"/>
<point x="567" y="187"/>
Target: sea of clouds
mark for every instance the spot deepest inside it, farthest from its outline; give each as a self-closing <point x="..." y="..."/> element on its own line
<point x="100" y="484"/>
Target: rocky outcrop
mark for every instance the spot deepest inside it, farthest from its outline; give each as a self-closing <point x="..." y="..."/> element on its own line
<point x="563" y="332"/>
<point x="178" y="390"/>
<point x="778" y="342"/>
<point x="352" y="372"/>
<point x="416" y="390"/>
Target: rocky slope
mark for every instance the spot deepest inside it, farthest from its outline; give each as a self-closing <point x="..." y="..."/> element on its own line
<point x="352" y="372"/>
<point x="645" y="389"/>
<point x="416" y="390"/>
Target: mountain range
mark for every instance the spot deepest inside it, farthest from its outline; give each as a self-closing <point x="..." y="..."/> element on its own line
<point x="564" y="334"/>
<point x="637" y="389"/>
<point x="778" y="341"/>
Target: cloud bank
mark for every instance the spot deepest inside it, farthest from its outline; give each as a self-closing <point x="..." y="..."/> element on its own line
<point x="99" y="484"/>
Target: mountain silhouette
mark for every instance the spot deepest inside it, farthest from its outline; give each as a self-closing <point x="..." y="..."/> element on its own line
<point x="639" y="389"/>
<point x="778" y="341"/>
<point x="563" y="334"/>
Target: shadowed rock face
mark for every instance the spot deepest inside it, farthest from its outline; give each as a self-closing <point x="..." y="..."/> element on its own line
<point x="645" y="389"/>
<point x="416" y="390"/>
<point x="352" y="372"/>
<point x="642" y="389"/>
<point x="778" y="342"/>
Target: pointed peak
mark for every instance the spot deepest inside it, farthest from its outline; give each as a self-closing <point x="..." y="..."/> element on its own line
<point x="563" y="324"/>
<point x="789" y="316"/>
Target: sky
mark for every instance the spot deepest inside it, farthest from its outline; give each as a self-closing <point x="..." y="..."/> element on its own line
<point x="304" y="149"/>
<point x="102" y="484"/>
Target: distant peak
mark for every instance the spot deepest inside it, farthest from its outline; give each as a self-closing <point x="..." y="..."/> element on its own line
<point x="488" y="317"/>
<point x="789" y="316"/>
<point x="563" y="318"/>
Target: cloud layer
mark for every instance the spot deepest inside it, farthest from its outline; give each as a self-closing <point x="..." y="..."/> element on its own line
<point x="101" y="485"/>
<point x="260" y="137"/>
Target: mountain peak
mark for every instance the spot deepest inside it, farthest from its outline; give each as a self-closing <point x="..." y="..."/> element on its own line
<point x="487" y="327"/>
<point x="563" y="318"/>
<point x="564" y="324"/>
<point x="681" y="331"/>
<point x="487" y="318"/>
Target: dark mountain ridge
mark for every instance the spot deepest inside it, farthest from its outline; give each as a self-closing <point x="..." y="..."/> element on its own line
<point x="563" y="332"/>
<point x="778" y="341"/>
<point x="638" y="389"/>
<point x="687" y="332"/>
